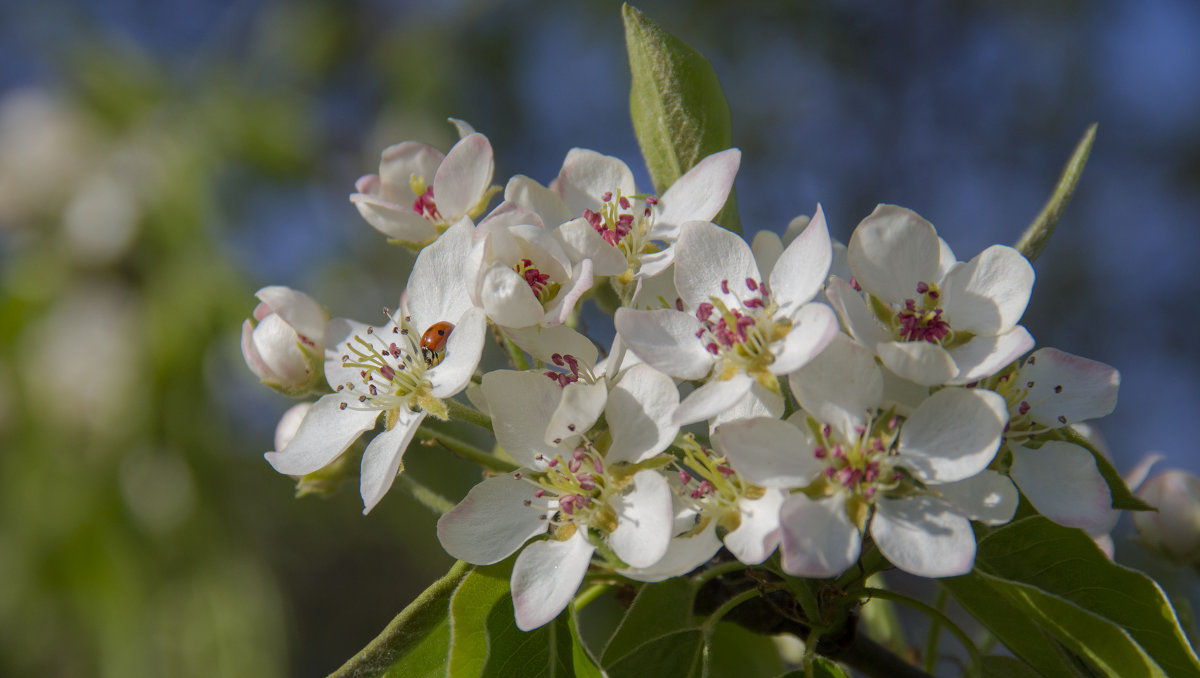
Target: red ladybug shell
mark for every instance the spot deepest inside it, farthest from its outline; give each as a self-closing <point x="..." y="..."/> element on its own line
<point x="433" y="342"/>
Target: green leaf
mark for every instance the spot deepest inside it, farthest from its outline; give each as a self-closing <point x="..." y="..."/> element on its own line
<point x="1115" y="618"/>
<point x="679" y="112"/>
<point x="1010" y="624"/>
<point x="996" y="666"/>
<point x="583" y="662"/>
<point x="479" y="593"/>
<point x="416" y="643"/>
<point x="822" y="668"/>
<point x="737" y="652"/>
<point x="679" y="653"/>
<point x="1122" y="498"/>
<point x="658" y="609"/>
<point x="1035" y="237"/>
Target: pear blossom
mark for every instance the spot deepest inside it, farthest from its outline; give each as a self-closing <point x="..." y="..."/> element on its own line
<point x="929" y="318"/>
<point x="601" y="211"/>
<point x="419" y="192"/>
<point x="522" y="275"/>
<point x="734" y="328"/>
<point x="1052" y="390"/>
<point x="848" y="466"/>
<point x="382" y="370"/>
<point x="285" y="342"/>
<point x="580" y="486"/>
<point x="1172" y="532"/>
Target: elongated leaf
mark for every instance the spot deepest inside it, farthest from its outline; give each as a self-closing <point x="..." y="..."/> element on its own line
<point x="736" y="652"/>
<point x="1034" y="239"/>
<point x="679" y="112"/>
<point x="417" y="641"/>
<point x="1011" y="626"/>
<point x="1037" y="584"/>
<point x="679" y="653"/>
<point x="1122" y="498"/>
<point x="480" y="591"/>
<point x="658" y="609"/>
<point x="995" y="666"/>
<point x="585" y="665"/>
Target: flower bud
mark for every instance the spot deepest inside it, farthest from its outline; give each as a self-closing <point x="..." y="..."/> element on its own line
<point x="1174" y="531"/>
<point x="285" y="343"/>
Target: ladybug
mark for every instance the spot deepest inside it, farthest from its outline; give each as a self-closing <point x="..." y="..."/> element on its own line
<point x="433" y="342"/>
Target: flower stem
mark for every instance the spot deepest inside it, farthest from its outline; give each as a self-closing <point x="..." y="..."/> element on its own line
<point x="976" y="659"/>
<point x="726" y="607"/>
<point x="716" y="571"/>
<point x="465" y="450"/>
<point x="935" y="627"/>
<point x="591" y="593"/>
<point x="427" y="497"/>
<point x="468" y="414"/>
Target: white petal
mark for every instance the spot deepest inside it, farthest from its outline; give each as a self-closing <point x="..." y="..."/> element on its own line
<point x="492" y="521"/>
<point x="842" y="386"/>
<point x="984" y="356"/>
<point x="543" y="342"/>
<point x="756" y="537"/>
<point x="769" y="452"/>
<point x="463" y="176"/>
<point x="339" y="333"/>
<point x="1067" y="389"/>
<point x="564" y="303"/>
<point x="463" y="350"/>
<point x="521" y="403"/>
<point x="919" y="361"/>
<point x="891" y="251"/>
<point x="581" y="241"/>
<point x="289" y="423"/>
<point x="644" y="520"/>
<point x="988" y="497"/>
<point x="803" y="266"/>
<point x="988" y="294"/>
<point x="759" y="401"/>
<point x="324" y="434"/>
<point x="666" y="340"/>
<point x="578" y="409"/>
<point x="253" y="359"/>
<point x="508" y="299"/>
<point x="381" y="460"/>
<point x="399" y="162"/>
<point x="397" y="222"/>
<point x="818" y="539"/>
<point x="852" y="310"/>
<point x="461" y="126"/>
<point x="277" y="345"/>
<point x="953" y="435"/>
<point x="923" y="536"/>
<point x="767" y="248"/>
<point x="701" y="192"/>
<point x="639" y="413"/>
<point x="683" y="555"/>
<point x="1062" y="482"/>
<point x="712" y="398"/>
<point x="438" y="285"/>
<point x="813" y="327"/>
<point x="706" y="255"/>
<point x="545" y="578"/>
<point x="586" y="175"/>
<point x="297" y="309"/>
<point x="538" y="199"/>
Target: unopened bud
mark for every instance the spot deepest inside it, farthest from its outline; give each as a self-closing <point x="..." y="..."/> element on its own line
<point x="284" y="344"/>
<point x="1174" y="531"/>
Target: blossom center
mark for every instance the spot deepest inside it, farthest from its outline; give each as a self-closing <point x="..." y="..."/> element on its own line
<point x="625" y="222"/>
<point x="863" y="464"/>
<point x="741" y="334"/>
<point x="573" y="489"/>
<point x="543" y="287"/>
<point x="708" y="480"/>
<point x="574" y="373"/>
<point x="921" y="318"/>
<point x="424" y="205"/>
<point x="1008" y="384"/>
<point x="391" y="373"/>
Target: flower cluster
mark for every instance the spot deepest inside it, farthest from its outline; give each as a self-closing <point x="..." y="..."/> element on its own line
<point x="837" y="399"/>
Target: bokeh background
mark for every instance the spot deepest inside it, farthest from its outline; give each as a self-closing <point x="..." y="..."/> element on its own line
<point x="162" y="160"/>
